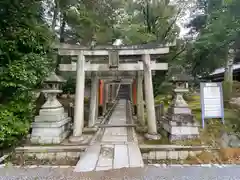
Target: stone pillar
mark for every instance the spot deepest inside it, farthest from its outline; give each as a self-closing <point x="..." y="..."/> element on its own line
<point x="93" y="101"/>
<point x="134" y="96"/>
<point x="113" y="92"/>
<point x="105" y="100"/>
<point x="131" y="90"/>
<point x="140" y="103"/>
<point x="106" y="92"/>
<point x="97" y="102"/>
<point x="151" y="117"/>
<point x="79" y="101"/>
<point x="110" y="93"/>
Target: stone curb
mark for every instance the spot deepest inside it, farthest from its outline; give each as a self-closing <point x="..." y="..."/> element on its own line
<point x="35" y="149"/>
<point x="146" y="148"/>
<point x="35" y="166"/>
<point x="194" y="165"/>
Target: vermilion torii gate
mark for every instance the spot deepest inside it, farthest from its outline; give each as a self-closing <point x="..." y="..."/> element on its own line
<point x="127" y="64"/>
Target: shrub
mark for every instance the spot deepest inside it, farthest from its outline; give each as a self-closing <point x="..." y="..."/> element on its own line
<point x="165" y="88"/>
<point x="188" y="97"/>
<point x="163" y="99"/>
<point x="236" y="89"/>
<point x="15" y="118"/>
<point x="69" y="87"/>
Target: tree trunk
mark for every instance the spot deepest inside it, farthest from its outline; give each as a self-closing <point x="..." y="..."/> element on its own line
<point x="62" y="31"/>
<point x="63" y="26"/>
<point x="228" y="76"/>
<point x="55" y="14"/>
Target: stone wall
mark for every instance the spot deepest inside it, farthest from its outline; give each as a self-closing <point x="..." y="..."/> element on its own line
<point x="169" y="155"/>
<point x="170" y="152"/>
<point x="50" y="152"/>
<point x="52" y="155"/>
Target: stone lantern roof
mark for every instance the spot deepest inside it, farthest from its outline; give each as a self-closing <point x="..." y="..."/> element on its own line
<point x="181" y="78"/>
<point x="53" y="78"/>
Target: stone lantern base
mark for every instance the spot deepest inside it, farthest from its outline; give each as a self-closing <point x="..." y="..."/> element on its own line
<point x="52" y="126"/>
<point x="180" y="124"/>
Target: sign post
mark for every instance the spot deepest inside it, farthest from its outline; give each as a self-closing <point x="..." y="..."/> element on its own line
<point x="211" y="101"/>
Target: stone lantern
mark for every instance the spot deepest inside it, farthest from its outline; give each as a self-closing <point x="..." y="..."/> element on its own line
<point x="52" y="125"/>
<point x="179" y="121"/>
<point x="52" y="87"/>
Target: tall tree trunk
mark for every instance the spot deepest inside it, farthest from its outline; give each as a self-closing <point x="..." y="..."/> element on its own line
<point x="62" y="31"/>
<point x="55" y="14"/>
<point x="63" y="26"/>
<point x="228" y="76"/>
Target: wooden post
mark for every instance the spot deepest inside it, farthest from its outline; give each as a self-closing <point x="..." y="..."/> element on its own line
<point x="101" y="89"/>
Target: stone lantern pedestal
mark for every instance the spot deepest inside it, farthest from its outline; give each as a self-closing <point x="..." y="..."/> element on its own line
<point x="52" y="125"/>
<point x="179" y="121"/>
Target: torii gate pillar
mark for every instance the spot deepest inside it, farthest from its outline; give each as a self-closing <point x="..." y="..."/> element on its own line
<point x="79" y="100"/>
<point x="151" y="117"/>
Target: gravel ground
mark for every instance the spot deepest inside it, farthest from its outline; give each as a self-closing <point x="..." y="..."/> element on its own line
<point x="147" y="173"/>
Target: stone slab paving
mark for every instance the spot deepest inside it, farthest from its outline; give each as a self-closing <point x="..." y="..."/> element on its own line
<point x="115" y="150"/>
<point x="89" y="159"/>
<point x="121" y="156"/>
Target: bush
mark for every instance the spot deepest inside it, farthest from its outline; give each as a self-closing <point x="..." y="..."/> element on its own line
<point x="164" y="88"/>
<point x="188" y="97"/>
<point x="163" y="99"/>
<point x="236" y="89"/>
<point x="69" y="87"/>
<point x="15" y="118"/>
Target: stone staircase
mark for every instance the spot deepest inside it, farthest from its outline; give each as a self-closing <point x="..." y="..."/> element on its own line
<point x="124" y="91"/>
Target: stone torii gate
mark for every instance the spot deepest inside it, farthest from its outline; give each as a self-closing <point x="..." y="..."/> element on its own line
<point x="123" y="63"/>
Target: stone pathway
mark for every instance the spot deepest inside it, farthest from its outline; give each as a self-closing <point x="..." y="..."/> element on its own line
<point x="115" y="149"/>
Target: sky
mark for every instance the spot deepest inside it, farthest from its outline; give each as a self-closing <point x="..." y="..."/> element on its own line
<point x="188" y="7"/>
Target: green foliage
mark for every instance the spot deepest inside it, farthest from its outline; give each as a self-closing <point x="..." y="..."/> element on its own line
<point x="91" y="20"/>
<point x="164" y="99"/>
<point x="188" y="97"/>
<point x="25" y="59"/>
<point x="217" y="34"/>
<point x="14" y="120"/>
<point x="163" y="88"/>
<point x="150" y="21"/>
<point x="69" y="87"/>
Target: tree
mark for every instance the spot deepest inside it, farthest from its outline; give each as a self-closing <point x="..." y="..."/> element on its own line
<point x="150" y="21"/>
<point x="216" y="34"/>
<point x="216" y="38"/>
<point x="25" y="59"/>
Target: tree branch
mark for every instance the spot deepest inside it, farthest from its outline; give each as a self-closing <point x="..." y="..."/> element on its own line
<point x="179" y="53"/>
<point x="171" y="25"/>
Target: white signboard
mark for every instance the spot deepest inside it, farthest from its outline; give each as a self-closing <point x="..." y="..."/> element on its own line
<point x="211" y="101"/>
